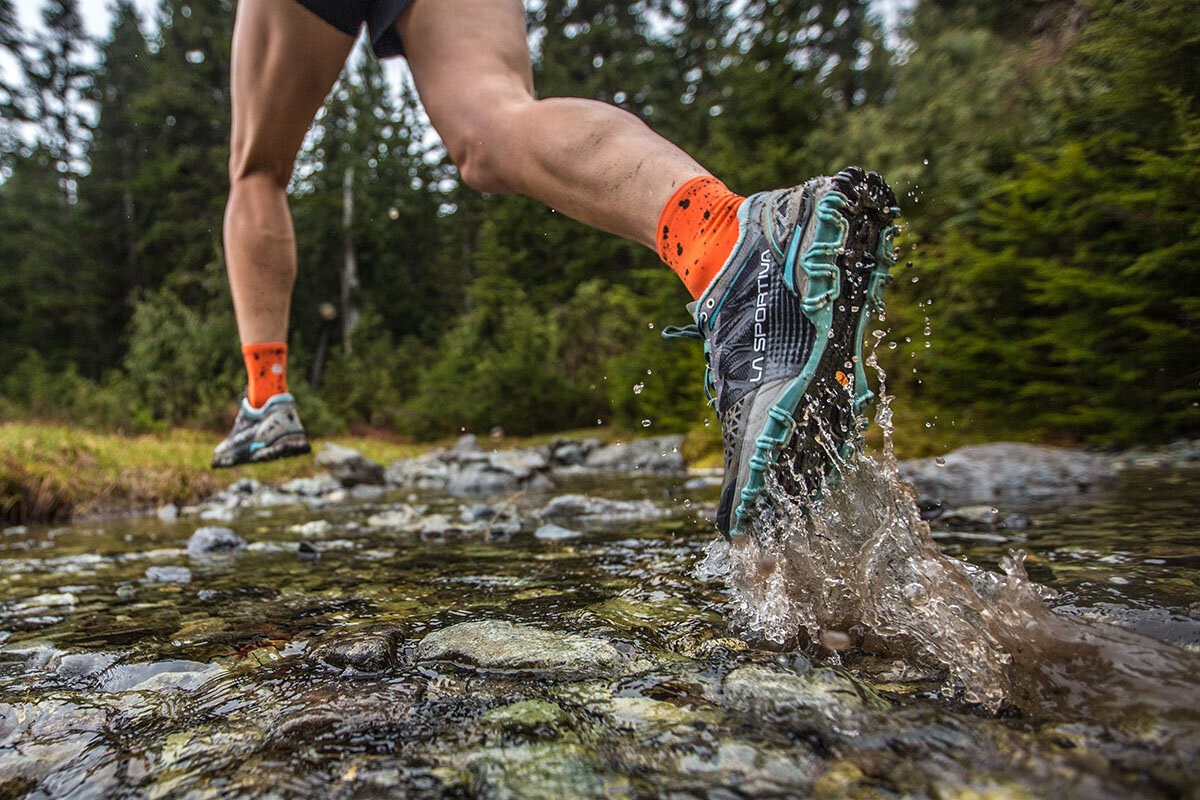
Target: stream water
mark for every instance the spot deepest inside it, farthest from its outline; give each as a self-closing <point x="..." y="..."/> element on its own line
<point x="122" y="675"/>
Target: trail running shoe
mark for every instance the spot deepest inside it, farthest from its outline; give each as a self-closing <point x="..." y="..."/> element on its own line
<point x="263" y="434"/>
<point x="783" y="326"/>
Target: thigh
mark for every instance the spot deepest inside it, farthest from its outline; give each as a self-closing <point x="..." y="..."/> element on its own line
<point x="285" y="61"/>
<point x="466" y="57"/>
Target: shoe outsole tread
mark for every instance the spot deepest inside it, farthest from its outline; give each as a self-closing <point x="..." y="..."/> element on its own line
<point x="815" y="421"/>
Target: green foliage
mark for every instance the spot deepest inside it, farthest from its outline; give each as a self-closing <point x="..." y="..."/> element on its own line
<point x="1045" y="153"/>
<point x="178" y="360"/>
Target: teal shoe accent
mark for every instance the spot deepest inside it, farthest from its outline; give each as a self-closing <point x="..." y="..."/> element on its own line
<point x="821" y="290"/>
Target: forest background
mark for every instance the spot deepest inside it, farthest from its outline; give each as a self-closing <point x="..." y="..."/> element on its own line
<point x="1046" y="154"/>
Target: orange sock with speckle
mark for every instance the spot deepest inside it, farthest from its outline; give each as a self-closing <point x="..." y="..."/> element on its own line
<point x="697" y="231"/>
<point x="266" y="369"/>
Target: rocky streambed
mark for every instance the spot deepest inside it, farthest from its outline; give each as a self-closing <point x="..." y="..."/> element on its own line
<point x="532" y="624"/>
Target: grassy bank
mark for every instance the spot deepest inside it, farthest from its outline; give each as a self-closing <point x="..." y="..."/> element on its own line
<point x="53" y="472"/>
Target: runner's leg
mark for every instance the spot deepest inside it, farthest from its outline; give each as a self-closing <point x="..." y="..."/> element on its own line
<point x="590" y="160"/>
<point x="285" y="60"/>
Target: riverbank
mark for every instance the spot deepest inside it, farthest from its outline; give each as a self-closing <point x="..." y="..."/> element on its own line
<point x="51" y="473"/>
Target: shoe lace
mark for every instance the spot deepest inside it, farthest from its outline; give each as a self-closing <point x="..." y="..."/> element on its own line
<point x="693" y="332"/>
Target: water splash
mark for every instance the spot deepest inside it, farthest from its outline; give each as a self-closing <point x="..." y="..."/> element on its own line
<point x="859" y="567"/>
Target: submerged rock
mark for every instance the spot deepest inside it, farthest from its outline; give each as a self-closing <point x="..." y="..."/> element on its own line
<point x="584" y="508"/>
<point x="555" y="533"/>
<point x="49" y="600"/>
<point x="527" y="717"/>
<point x="403" y="517"/>
<point x="494" y="644"/>
<point x="169" y="574"/>
<point x="311" y="487"/>
<point x="349" y="466"/>
<point x="210" y="540"/>
<point x="759" y="690"/>
<point x="656" y="454"/>
<point x="1007" y="471"/>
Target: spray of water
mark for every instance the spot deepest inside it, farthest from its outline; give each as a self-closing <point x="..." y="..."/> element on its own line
<point x="859" y="567"/>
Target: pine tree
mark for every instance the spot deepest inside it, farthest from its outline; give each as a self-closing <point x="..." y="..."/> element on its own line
<point x="58" y="77"/>
<point x="116" y="209"/>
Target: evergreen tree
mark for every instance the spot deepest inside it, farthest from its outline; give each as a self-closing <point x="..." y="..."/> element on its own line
<point x="116" y="210"/>
<point x="58" y="77"/>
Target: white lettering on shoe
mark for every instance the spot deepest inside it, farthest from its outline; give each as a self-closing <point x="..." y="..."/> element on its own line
<point x="760" y="315"/>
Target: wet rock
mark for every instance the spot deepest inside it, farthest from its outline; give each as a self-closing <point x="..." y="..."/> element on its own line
<point x="76" y="666"/>
<point x="502" y="520"/>
<point x="307" y="551"/>
<point x="521" y="463"/>
<point x="155" y="676"/>
<point x="528" y="717"/>
<point x="656" y="454"/>
<point x="169" y="575"/>
<point x="216" y="514"/>
<point x="481" y="479"/>
<point x="568" y="452"/>
<point x="640" y="713"/>
<point x="49" y="600"/>
<point x="980" y="518"/>
<point x="498" y="645"/>
<point x="316" y="527"/>
<point x="550" y="770"/>
<point x="555" y="533"/>
<point x="403" y="517"/>
<point x="758" y="690"/>
<point x="368" y="650"/>
<point x="703" y="482"/>
<point x="349" y="466"/>
<point x="311" y="487"/>
<point x="208" y="541"/>
<point x="586" y="509"/>
<point x="1007" y="471"/>
<point x="755" y="773"/>
<point x="365" y="493"/>
<point x="167" y="512"/>
<point x="467" y="443"/>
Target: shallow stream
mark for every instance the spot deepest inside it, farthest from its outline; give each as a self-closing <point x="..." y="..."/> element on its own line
<point x="273" y="672"/>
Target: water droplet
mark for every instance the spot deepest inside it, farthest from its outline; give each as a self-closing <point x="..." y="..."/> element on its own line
<point x="687" y="503"/>
<point x="915" y="278"/>
<point x="707" y="422"/>
<point x="649" y="372"/>
<point x="637" y="388"/>
<point x="599" y="422"/>
<point x="925" y="162"/>
<point x="927" y="344"/>
<point x="941" y="462"/>
<point x="892" y="345"/>
<point x="645" y="423"/>
<point x="928" y="331"/>
<point x="651" y="324"/>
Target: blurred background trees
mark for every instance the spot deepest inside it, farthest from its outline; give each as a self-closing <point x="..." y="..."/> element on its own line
<point x="1046" y="153"/>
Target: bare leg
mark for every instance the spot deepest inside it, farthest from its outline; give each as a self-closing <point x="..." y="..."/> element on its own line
<point x="285" y="60"/>
<point x="592" y="161"/>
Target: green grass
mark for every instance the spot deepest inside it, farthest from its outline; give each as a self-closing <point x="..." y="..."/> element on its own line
<point x="52" y="471"/>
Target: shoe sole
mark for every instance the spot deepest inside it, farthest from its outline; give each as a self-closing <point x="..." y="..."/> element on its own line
<point x="845" y="264"/>
<point x="286" y="446"/>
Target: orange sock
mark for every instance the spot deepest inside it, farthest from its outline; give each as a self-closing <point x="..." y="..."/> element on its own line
<point x="697" y="231"/>
<point x="266" y="369"/>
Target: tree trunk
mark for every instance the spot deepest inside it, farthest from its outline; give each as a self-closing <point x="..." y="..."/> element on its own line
<point x="350" y="282"/>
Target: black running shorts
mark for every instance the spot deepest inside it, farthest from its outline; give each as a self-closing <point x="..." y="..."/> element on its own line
<point x="349" y="15"/>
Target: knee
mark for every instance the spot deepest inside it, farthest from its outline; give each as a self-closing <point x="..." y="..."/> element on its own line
<point x="480" y="146"/>
<point x="257" y="165"/>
